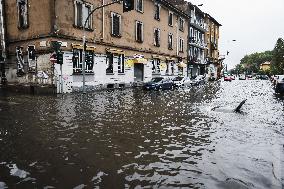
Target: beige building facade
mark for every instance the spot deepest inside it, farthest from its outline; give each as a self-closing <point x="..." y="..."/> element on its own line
<point x="123" y="48"/>
<point x="212" y="47"/>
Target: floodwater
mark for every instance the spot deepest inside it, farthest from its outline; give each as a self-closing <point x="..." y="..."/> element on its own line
<point x="186" y="138"/>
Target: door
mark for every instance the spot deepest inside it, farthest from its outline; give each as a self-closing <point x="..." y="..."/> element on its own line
<point x="138" y="72"/>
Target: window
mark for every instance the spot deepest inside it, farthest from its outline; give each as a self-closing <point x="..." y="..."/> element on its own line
<point x="157" y="11"/>
<point x="180" y="45"/>
<point x="77" y="60"/>
<point x="82" y="10"/>
<point x="180" y="70"/>
<point x="171" y="18"/>
<point x="109" y="63"/>
<point x="120" y="63"/>
<point x="115" y="24"/>
<point x="181" y="24"/>
<point x="22" y="14"/>
<point x="139" y="5"/>
<point x="156" y="66"/>
<point x="170" y="41"/>
<point x="139" y="32"/>
<point x="157" y="37"/>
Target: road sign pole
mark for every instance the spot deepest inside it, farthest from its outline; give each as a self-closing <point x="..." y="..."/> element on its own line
<point x="61" y="80"/>
<point x="84" y="41"/>
<point x="84" y="63"/>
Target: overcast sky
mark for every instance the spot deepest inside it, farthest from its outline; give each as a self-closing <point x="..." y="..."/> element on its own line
<point x="254" y="24"/>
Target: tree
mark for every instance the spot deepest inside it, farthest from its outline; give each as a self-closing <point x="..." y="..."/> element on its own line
<point x="277" y="65"/>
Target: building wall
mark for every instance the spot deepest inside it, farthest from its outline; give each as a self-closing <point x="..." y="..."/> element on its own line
<point x="55" y="22"/>
<point x="39" y="20"/>
<point x="66" y="20"/>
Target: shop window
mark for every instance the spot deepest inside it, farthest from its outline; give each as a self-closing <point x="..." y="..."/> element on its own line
<point x="77" y="60"/>
<point x="22" y="14"/>
<point x="109" y="63"/>
<point x="180" y="70"/>
<point x="156" y="66"/>
<point x="120" y="63"/>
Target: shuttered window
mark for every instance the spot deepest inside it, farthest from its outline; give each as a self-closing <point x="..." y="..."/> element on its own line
<point x="157" y="37"/>
<point x="157" y="11"/>
<point x="170" y="41"/>
<point x="171" y="17"/>
<point x="22" y="14"/>
<point x="82" y="10"/>
<point x="116" y="24"/>
<point x="139" y="31"/>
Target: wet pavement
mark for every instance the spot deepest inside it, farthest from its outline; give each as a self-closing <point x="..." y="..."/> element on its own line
<point x="186" y="138"/>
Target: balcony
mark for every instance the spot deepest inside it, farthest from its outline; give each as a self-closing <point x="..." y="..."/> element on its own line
<point x="198" y="24"/>
<point x="197" y="43"/>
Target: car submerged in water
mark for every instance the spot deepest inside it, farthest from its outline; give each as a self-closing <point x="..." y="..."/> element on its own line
<point x="159" y="83"/>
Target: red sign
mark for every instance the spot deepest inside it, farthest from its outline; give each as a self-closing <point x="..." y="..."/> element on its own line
<point x="53" y="58"/>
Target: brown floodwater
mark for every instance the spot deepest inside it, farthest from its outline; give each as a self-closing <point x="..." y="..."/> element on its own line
<point x="185" y="138"/>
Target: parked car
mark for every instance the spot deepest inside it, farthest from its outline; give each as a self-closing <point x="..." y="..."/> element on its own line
<point x="227" y="78"/>
<point x="276" y="79"/>
<point x="233" y="77"/>
<point x="181" y="81"/>
<point x="279" y="87"/>
<point x="159" y="83"/>
<point x="249" y="77"/>
<point x="262" y="77"/>
<point x="242" y="77"/>
<point x="200" y="79"/>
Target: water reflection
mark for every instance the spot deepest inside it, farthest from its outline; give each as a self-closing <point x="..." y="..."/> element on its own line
<point x="144" y="139"/>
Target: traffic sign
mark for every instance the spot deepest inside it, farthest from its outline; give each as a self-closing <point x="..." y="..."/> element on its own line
<point x="53" y="59"/>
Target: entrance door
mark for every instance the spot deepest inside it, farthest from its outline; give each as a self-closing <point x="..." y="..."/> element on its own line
<point x="138" y="72"/>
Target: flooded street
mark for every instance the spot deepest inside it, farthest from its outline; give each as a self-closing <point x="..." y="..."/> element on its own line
<point x="185" y="138"/>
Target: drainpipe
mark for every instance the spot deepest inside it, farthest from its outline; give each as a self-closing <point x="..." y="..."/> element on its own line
<point x="3" y="42"/>
<point x="177" y="35"/>
<point x="103" y="21"/>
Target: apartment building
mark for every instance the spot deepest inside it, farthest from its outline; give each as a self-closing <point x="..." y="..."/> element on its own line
<point x="197" y="45"/>
<point x="212" y="47"/>
<point x="123" y="48"/>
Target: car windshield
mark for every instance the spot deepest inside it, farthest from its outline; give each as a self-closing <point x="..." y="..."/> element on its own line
<point x="157" y="79"/>
<point x="177" y="79"/>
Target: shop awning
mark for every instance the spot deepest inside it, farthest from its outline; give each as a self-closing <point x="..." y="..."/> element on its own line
<point x="115" y="51"/>
<point x="158" y="57"/>
<point x="140" y="61"/>
<point x="79" y="46"/>
<point x="171" y="59"/>
<point x="137" y="61"/>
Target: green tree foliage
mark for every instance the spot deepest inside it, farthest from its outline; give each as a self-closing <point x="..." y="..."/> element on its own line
<point x="277" y="65"/>
<point x="251" y="63"/>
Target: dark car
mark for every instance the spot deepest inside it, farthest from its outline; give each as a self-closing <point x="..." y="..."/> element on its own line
<point x="159" y="83"/>
<point x="279" y="87"/>
<point x="262" y="77"/>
